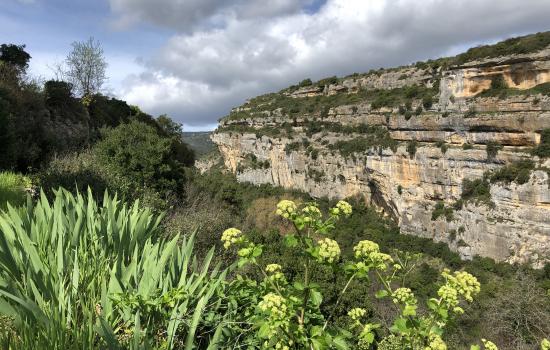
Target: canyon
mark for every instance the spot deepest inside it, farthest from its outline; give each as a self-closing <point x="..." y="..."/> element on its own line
<point x="409" y="140"/>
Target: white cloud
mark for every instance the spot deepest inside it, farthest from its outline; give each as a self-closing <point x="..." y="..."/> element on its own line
<point x="211" y="65"/>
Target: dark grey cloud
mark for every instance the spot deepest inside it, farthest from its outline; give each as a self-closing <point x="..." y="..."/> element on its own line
<point x="187" y="15"/>
<point x="200" y="74"/>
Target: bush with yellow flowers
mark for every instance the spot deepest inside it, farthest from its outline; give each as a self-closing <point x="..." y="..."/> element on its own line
<point x="285" y="311"/>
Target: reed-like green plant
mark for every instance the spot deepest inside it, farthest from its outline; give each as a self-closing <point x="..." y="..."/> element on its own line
<point x="75" y="275"/>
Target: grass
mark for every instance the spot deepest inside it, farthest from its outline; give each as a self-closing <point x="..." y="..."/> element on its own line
<point x="13" y="189"/>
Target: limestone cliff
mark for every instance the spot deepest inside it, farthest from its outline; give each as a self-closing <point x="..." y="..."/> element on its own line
<point x="406" y="139"/>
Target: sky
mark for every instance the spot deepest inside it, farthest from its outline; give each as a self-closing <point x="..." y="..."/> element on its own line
<point x="196" y="59"/>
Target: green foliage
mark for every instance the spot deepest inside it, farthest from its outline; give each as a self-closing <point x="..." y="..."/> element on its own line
<point x="327" y="81"/>
<point x="518" y="172"/>
<point x="477" y="191"/>
<point x="287" y="310"/>
<point x="293" y="146"/>
<point x="316" y="175"/>
<point x="492" y="149"/>
<point x="376" y="138"/>
<point x="441" y="210"/>
<point x="519" y="45"/>
<point x="543" y="148"/>
<point x="134" y="160"/>
<point x="427" y="102"/>
<point x="498" y="83"/>
<point x="305" y="82"/>
<point x="78" y="275"/>
<point x="411" y="148"/>
<point x="252" y="162"/>
<point x="13" y="189"/>
<point x="141" y="158"/>
<point x="15" y="55"/>
<point x="320" y="105"/>
<point x="467" y="146"/>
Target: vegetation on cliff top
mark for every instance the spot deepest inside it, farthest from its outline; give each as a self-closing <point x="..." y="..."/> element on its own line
<point x="320" y="105"/>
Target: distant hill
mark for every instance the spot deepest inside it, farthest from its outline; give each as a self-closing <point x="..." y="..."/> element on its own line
<point x="199" y="141"/>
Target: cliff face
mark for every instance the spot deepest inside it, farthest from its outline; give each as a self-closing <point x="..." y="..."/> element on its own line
<point x="409" y="151"/>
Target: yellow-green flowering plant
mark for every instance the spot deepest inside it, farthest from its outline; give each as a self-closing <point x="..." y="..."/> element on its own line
<point x="285" y="313"/>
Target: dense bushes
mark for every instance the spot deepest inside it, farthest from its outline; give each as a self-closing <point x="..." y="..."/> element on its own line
<point x="134" y="160"/>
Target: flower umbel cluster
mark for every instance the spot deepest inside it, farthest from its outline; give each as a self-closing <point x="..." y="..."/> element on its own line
<point x="356" y="313"/>
<point x="545" y="344"/>
<point x="286" y="209"/>
<point x="231" y="236"/>
<point x="464" y="283"/>
<point x="404" y="296"/>
<point x="272" y="268"/>
<point x="274" y="273"/>
<point x="311" y="213"/>
<point x="364" y="248"/>
<point x="369" y="253"/>
<point x="342" y="208"/>
<point x="436" y="343"/>
<point x="273" y="304"/>
<point x="489" y="345"/>
<point x="329" y="251"/>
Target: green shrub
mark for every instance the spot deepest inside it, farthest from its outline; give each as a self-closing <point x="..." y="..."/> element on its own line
<point x="411" y="148"/>
<point x="467" y="146"/>
<point x="305" y="82"/>
<point x="427" y="102"/>
<point x="498" y="83"/>
<point x="13" y="189"/>
<point x="492" y="149"/>
<point x="141" y="158"/>
<point x="519" y="172"/>
<point x="441" y="210"/>
<point x="442" y="145"/>
<point x="543" y="148"/>
<point x="478" y="191"/>
<point x="376" y="138"/>
<point x="78" y="275"/>
<point x="316" y="175"/>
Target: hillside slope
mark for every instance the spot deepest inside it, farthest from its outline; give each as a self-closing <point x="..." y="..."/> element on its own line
<point x="453" y="149"/>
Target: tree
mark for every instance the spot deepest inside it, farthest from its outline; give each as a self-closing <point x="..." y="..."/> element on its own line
<point x="86" y="67"/>
<point x="170" y="127"/>
<point x="15" y="55"/>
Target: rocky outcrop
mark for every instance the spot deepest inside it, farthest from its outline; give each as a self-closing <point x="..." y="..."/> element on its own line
<point x="433" y="151"/>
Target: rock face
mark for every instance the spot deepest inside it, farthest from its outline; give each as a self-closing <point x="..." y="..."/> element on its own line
<point x="434" y="150"/>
